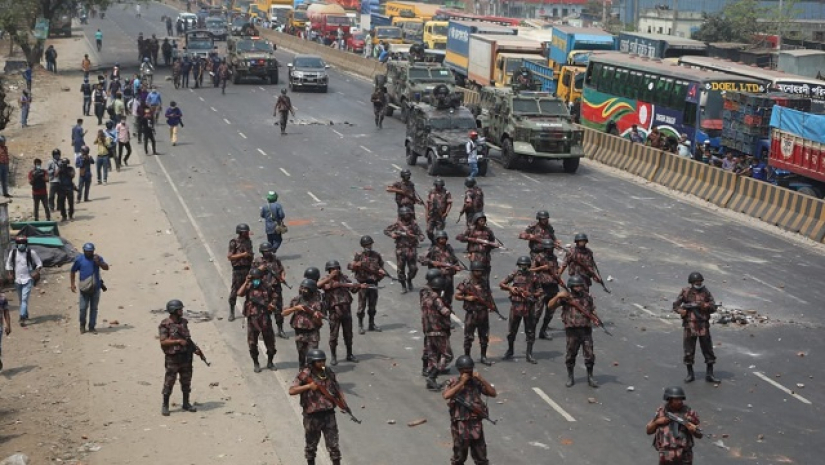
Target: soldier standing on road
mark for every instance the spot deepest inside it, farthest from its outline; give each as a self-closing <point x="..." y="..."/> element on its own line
<point x="274" y="276"/>
<point x="240" y="255"/>
<point x="480" y="242"/>
<point x="154" y="47"/>
<point x="537" y="232"/>
<point x="476" y="295"/>
<point x="546" y="266"/>
<point x="309" y="311"/>
<point x="435" y="318"/>
<point x="695" y="304"/>
<point x="223" y="74"/>
<point x="523" y="286"/>
<point x="282" y="109"/>
<point x="467" y="411"/>
<point x="577" y="326"/>
<point x="473" y="200"/>
<point x="166" y="50"/>
<point x="273" y="215"/>
<point x="368" y="266"/>
<point x="257" y="309"/>
<point x="338" y="290"/>
<point x="439" y="203"/>
<point x="579" y="261"/>
<point x="405" y="195"/>
<point x="407" y="234"/>
<point x="176" y="343"/>
<point x="141" y="46"/>
<point x="379" y="105"/>
<point x="674" y="441"/>
<point x="316" y="384"/>
<point x="442" y="257"/>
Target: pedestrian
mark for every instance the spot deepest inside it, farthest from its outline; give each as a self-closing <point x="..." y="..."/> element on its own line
<point x="223" y="73"/>
<point x="99" y="40"/>
<point x="136" y="108"/>
<point x="480" y="242"/>
<point x="86" y="90"/>
<point x="240" y="255"/>
<point x="90" y="285"/>
<point x="307" y="310"/>
<point x="577" y="310"/>
<point x="119" y="108"/>
<point x="407" y="235"/>
<point x="86" y="65"/>
<point x="636" y="136"/>
<point x="674" y="426"/>
<point x="441" y="256"/>
<point x="654" y="138"/>
<point x="473" y="200"/>
<point x="166" y="48"/>
<point x="174" y="118"/>
<point x="186" y="69"/>
<point x="4" y="167"/>
<point x="435" y="320"/>
<point x="23" y="266"/>
<point x="84" y="163"/>
<point x="546" y="266"/>
<point x="471" y="148"/>
<point x="379" y="105"/>
<point x="320" y="394"/>
<point x="467" y="411"/>
<point x="523" y="286"/>
<point x="282" y="109"/>
<point x="65" y="176"/>
<point x="123" y="141"/>
<point x="155" y="102"/>
<point x="39" y="180"/>
<point x="274" y="277"/>
<point x="257" y="309"/>
<point x="102" y="143"/>
<point x="695" y="305"/>
<point x="99" y="100"/>
<point x="169" y="29"/>
<point x="273" y="215"/>
<point x="154" y="48"/>
<point x="27" y="76"/>
<point x="176" y="69"/>
<point x="147" y="130"/>
<point x="197" y="71"/>
<point x="178" y="348"/>
<point x="338" y="290"/>
<point x="478" y="299"/>
<point x="25" y="105"/>
<point x="54" y="183"/>
<point x="683" y="147"/>
<point x="5" y="323"/>
<point x="368" y="266"/>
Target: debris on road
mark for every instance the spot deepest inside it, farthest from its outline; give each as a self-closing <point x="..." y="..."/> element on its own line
<point x="390" y="422"/>
<point x="420" y="421"/>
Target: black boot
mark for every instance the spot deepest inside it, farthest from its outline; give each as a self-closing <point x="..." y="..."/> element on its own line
<point x="302" y="361"/>
<point x="336" y="462"/>
<point x="333" y="356"/>
<point x="255" y="361"/>
<point x="530" y="353"/>
<point x="432" y="383"/>
<point x="270" y="364"/>
<point x="310" y="461"/>
<point x="570" y="380"/>
<point x="709" y="375"/>
<point x="467" y="350"/>
<point x="690" y="376"/>
<point x="186" y="405"/>
<point x="372" y="326"/>
<point x="361" y="325"/>
<point x="424" y="371"/>
<point x="509" y="354"/>
<point x="231" y="312"/>
<point x="590" y="381"/>
<point x="483" y="358"/>
<point x="409" y="285"/>
<point x="403" y="286"/>
<point x="543" y="333"/>
<point x="281" y="333"/>
<point x="350" y="357"/>
<point x="164" y="410"/>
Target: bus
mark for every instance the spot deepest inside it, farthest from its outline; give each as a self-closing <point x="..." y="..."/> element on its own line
<point x="621" y="91"/>
<point x="777" y="81"/>
<point x="445" y="14"/>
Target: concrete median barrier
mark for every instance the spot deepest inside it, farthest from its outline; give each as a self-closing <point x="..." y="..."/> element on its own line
<point x="642" y="161"/>
<point x="699" y="179"/>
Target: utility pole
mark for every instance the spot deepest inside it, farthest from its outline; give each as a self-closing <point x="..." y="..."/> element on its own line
<point x="604" y="14"/>
<point x="676" y="16"/>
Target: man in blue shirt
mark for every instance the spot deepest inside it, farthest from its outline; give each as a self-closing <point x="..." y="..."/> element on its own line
<point x="88" y="265"/>
<point x="77" y="137"/>
<point x="273" y="215"/>
<point x="154" y="102"/>
<point x="27" y="76"/>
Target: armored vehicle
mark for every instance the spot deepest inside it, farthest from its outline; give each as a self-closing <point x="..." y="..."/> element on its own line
<point x="199" y="43"/>
<point x="252" y="56"/>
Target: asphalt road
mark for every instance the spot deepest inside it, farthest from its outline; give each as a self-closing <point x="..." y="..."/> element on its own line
<point x="330" y="171"/>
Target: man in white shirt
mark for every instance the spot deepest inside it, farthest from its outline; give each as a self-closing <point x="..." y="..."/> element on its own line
<point x="23" y="266"/>
<point x="684" y="147"/>
<point x="472" y="152"/>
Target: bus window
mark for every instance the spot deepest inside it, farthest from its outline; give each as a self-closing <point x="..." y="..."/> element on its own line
<point x="679" y="94"/>
<point x="620" y="86"/>
<point x="594" y="70"/>
<point x="606" y="80"/>
<point x="689" y="115"/>
<point x="649" y="83"/>
<point x="635" y="85"/>
<point x="662" y="94"/>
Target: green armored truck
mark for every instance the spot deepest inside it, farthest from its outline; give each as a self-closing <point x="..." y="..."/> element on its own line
<point x="252" y="57"/>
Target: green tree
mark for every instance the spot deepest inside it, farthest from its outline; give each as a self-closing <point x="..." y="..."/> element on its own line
<point x="715" y="28"/>
<point x="742" y="20"/>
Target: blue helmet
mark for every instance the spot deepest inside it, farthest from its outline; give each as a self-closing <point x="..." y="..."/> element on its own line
<point x="88" y="247"/>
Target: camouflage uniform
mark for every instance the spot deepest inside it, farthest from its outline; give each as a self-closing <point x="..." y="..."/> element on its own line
<point x="437" y="253"/>
<point x="673" y="441"/>
<point x="178" y="358"/>
<point x="379" y="105"/>
<point x="339" y="303"/>
<point x="407" y="199"/>
<point x="579" y="261"/>
<point x="520" y="307"/>
<point x="437" y="202"/>
<point x="479" y="252"/>
<point x="541" y="233"/>
<point x="307" y="327"/>
<point x="579" y="330"/>
<point x="258" y="319"/>
<point x="240" y="267"/>
<point x="272" y="279"/>
<point x="548" y="280"/>
<point x="435" y="320"/>
<point x="367" y="265"/>
<point x="319" y="414"/>
<point x="473" y="203"/>
<point x="697" y="323"/>
<point x="405" y="246"/>
<point x="477" y="317"/>
<point x="466" y="426"/>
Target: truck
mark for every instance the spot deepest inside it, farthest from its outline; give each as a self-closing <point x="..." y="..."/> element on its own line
<point x="435" y="35"/>
<point x="252" y="57"/>
<point x="660" y="45"/>
<point x="277" y="10"/>
<point x="377" y="19"/>
<point x="411" y="81"/>
<point x="412" y="29"/>
<point x="387" y="34"/>
<point x="457" y="57"/>
<point x="299" y="17"/>
<point x="797" y="152"/>
<point x="493" y="58"/>
<point x="574" y="42"/>
<point x="419" y="10"/>
<point x="747" y="119"/>
<point x="325" y="19"/>
<point x="542" y="73"/>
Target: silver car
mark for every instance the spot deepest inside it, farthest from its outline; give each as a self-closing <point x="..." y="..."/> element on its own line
<point x="308" y="71"/>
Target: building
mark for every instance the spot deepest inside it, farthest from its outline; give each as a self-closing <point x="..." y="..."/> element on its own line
<point x="811" y="10"/>
<point x="669" y="22"/>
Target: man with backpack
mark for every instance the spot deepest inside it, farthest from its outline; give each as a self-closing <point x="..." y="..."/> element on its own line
<point x="23" y="266"/>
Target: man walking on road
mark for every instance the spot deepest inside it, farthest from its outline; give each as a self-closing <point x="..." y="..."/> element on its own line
<point x="4" y="167"/>
<point x="88" y="265"/>
<point x="257" y="309"/>
<point x="54" y="183"/>
<point x="123" y="141"/>
<point x="282" y="108"/>
<point x="576" y="306"/>
<point x="147" y="131"/>
<point x="86" y="90"/>
<point x="24" y="267"/>
<point x="39" y="180"/>
<point x="174" y="118"/>
<point x="240" y="256"/>
<point x="65" y="193"/>
<point x="77" y="137"/>
<point x="176" y="343"/>
<point x="273" y="215"/>
<point x="407" y="235"/>
<point x="84" y="163"/>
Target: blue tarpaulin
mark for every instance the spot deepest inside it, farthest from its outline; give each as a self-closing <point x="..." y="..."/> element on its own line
<point x="805" y="125"/>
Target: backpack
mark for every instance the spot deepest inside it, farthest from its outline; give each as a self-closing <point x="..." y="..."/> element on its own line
<point x="34" y="274"/>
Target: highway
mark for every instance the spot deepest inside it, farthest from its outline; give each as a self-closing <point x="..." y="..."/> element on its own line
<point x="330" y="171"/>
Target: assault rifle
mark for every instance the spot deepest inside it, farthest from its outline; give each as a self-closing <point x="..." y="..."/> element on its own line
<point x="410" y="194"/>
<point x="681" y="421"/>
<point x="479" y="412"/>
<point x="590" y="316"/>
<point x="522" y="293"/>
<point x="304" y="308"/>
<point x="193" y="348"/>
<point x="286" y="284"/>
<point x="438" y="264"/>
<point x="358" y="286"/>
<point x="553" y="275"/>
<point x="491" y="305"/>
<point x="337" y="400"/>
<point x="487" y="243"/>
<point x="460" y="214"/>
<point x="594" y="270"/>
<point x="388" y="274"/>
<point x="695" y="307"/>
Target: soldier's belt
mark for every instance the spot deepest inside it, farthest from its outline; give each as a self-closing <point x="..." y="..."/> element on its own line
<point x="438" y="334"/>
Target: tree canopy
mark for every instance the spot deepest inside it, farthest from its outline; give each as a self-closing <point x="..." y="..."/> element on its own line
<point x="742" y="20"/>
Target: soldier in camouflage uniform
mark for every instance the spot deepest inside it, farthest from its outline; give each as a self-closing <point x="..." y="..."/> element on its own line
<point x="577" y="326"/>
<point x="369" y="269"/>
<point x="438" y="205"/>
<point x="579" y="261"/>
<point x="477" y="296"/>
<point x="338" y="290"/>
<point x="318" y="408"/>
<point x="175" y="342"/>
<point x="480" y="242"/>
<point x="257" y="309"/>
<point x="673" y="441"/>
<point x="307" y="310"/>
<point x="240" y="256"/>
<point x="441" y="255"/>
<point x="435" y="319"/>
<point x="467" y="410"/>
<point x="537" y="232"/>
<point x="523" y="286"/>
<point x="379" y="105"/>
<point x="274" y="276"/>
<point x="404" y="190"/>
<point x="473" y="200"/>
<point x="407" y="234"/>
<point x="695" y="304"/>
<point x="546" y="266"/>
<point x="431" y="274"/>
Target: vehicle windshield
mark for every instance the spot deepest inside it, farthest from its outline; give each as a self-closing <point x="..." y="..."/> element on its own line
<point x="254" y="46"/>
<point x="199" y="45"/>
<point x="457" y="122"/>
<point x="414" y="27"/>
<point x="215" y="23"/>
<point x="552" y="108"/>
<point x="239" y="22"/>
<point x="711" y="103"/>
<point x="431" y="74"/>
<point x="308" y="62"/>
<point x="300" y="15"/>
<point x="440" y="30"/>
<point x="388" y="33"/>
<point x="538" y="107"/>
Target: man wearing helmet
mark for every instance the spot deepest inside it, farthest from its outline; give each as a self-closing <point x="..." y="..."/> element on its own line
<point x="407" y="234"/>
<point x="674" y="441"/>
<point x="476" y="295"/>
<point x="368" y="266"/>
<point x="307" y="310"/>
<point x="695" y="305"/>
<point x="88" y="265"/>
<point x="538" y="231"/>
<point x="379" y="105"/>
<point x="257" y="309"/>
<point x="438" y="205"/>
<point x="240" y="255"/>
<point x="523" y="286"/>
<point x="577" y="326"/>
<point x="546" y="267"/>
<point x="579" y="261"/>
<point x="473" y="200"/>
<point x="480" y="242"/>
<point x="273" y="215"/>
<point x="404" y="190"/>
<point x="441" y="256"/>
<point x="176" y="343"/>
<point x="274" y="276"/>
<point x="472" y="152"/>
<point x="467" y="409"/>
<point x="435" y="319"/>
<point x="282" y="108"/>
<point x="319" y="389"/>
<point x="338" y="290"/>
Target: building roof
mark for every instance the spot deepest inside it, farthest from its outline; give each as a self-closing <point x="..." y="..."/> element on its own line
<point x="802" y="52"/>
<point x="672" y="40"/>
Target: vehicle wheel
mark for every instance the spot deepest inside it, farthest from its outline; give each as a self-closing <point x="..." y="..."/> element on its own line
<point x="325" y="89"/>
<point x="432" y="165"/>
<point x="482" y="168"/>
<point x="389" y="111"/>
<point x="808" y="191"/>
<point x="405" y="112"/>
<point x="412" y="158"/>
<point x="508" y="155"/>
<point x="570" y="165"/>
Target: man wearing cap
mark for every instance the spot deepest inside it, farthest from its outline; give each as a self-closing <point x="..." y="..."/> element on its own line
<point x="88" y="265"/>
<point x="273" y="216"/>
<point x="23" y="266"/>
<point x="174" y="118"/>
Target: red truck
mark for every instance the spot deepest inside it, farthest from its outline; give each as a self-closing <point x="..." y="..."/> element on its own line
<point x="797" y="152"/>
<point x="326" y="19"/>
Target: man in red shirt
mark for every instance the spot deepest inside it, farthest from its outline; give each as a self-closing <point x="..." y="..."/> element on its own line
<point x="4" y="167"/>
<point x="39" y="180"/>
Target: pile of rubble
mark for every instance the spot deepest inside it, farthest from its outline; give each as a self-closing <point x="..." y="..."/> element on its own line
<point x="724" y="316"/>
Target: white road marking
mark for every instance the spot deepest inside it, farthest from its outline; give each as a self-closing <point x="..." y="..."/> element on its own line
<point x="652" y="314"/>
<point x="259" y="87"/>
<point x="201" y="99"/>
<point x="349" y="227"/>
<point x="213" y="109"/>
<point x="366" y="149"/>
<point x="285" y="171"/>
<point x="553" y="404"/>
<point x="777" y="289"/>
<point x="782" y="388"/>
<point x="530" y="178"/>
<point x="339" y="92"/>
<point x="313" y="197"/>
<point x="261" y="152"/>
<point x="226" y="121"/>
<point x="336" y="132"/>
<point x="190" y="90"/>
<point x="396" y="167"/>
<point x="242" y="135"/>
<point x="496" y="223"/>
<point x="391" y="264"/>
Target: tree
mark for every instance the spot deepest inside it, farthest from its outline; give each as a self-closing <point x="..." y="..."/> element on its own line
<point x="744" y="20"/>
<point x="715" y="28"/>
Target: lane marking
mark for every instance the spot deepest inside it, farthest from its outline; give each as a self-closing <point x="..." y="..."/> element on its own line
<point x="344" y="224"/>
<point x="777" y="289"/>
<point x="336" y="132"/>
<point x="396" y="167"/>
<point x="553" y="404"/>
<point x="227" y="121"/>
<point x="366" y="149"/>
<point x="242" y="135"/>
<point x="782" y="388"/>
<point x="213" y="109"/>
<point x="339" y="92"/>
<point x="653" y="314"/>
<point x="259" y="87"/>
<point x="202" y="100"/>
<point x="530" y="178"/>
<point x="190" y="90"/>
<point x="391" y="264"/>
<point x="261" y="152"/>
<point x="316" y="199"/>
<point x="285" y="171"/>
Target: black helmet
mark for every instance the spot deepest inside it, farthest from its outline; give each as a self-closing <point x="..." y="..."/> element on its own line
<point x="366" y="240"/>
<point x="256" y="273"/>
<point x="542" y="215"/>
<point x="470" y="182"/>
<point x="524" y="260"/>
<point x="316" y="355"/>
<point x="695" y="276"/>
<point x="580" y="237"/>
<point x="433" y="273"/>
<point x="405" y="174"/>
<point x="547" y="244"/>
<point x="309" y="284"/>
<point x="265" y="247"/>
<point x="65" y="162"/>
<point x="241" y="228"/>
<point x="56" y="153"/>
<point x="332" y="264"/>
<point x="674" y="392"/>
<point x="463" y="362"/>
<point x="478" y="216"/>
<point x="404" y="211"/>
<point x="109" y="124"/>
<point x="441" y="234"/>
<point x="438" y="283"/>
<point x="283" y="91"/>
<point x="477" y="266"/>
<point x="438" y="182"/>
<point x="312" y="273"/>
<point x="575" y="280"/>
<point x="174" y="305"/>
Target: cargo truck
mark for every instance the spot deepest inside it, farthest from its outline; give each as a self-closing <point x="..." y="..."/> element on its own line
<point x="419" y="10"/>
<point x="575" y="42"/>
<point x="797" y="151"/>
<point x="325" y="19"/>
<point x="435" y="35"/>
<point x="494" y="58"/>
<point x="457" y="57"/>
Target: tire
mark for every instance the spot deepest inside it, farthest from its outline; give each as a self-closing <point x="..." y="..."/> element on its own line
<point x="325" y="89"/>
<point x="482" y="168"/>
<point x="412" y="158"/>
<point x="432" y="166"/>
<point x="808" y="191"/>
<point x="273" y="78"/>
<point x="508" y="155"/>
<point x="571" y="165"/>
<point x="405" y="112"/>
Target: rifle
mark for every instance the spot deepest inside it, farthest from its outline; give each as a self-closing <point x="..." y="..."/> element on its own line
<point x="194" y="348"/>
<point x="358" y="286"/>
<point x="483" y="242"/>
<point x="681" y="421"/>
<point x="522" y="293"/>
<point x="593" y="270"/>
<point x="337" y="400"/>
<point x="590" y="316"/>
<point x="695" y="308"/>
<point x="460" y="214"/>
<point x="384" y="267"/>
<point x="484" y="416"/>
<point x="553" y="275"/>
<point x="438" y="264"/>
<point x="490" y="305"/>
<point x="306" y="309"/>
<point x="601" y="281"/>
